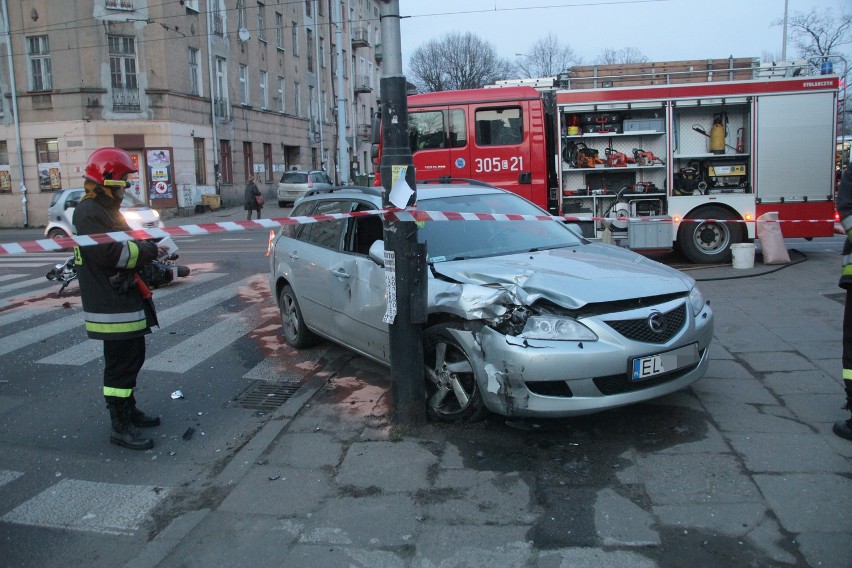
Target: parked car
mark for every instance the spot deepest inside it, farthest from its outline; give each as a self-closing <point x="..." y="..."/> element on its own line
<point x="295" y="184"/>
<point x="60" y="214"/>
<point x="525" y="318"/>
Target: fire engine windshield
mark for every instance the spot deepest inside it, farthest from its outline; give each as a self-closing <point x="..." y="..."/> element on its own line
<point x="455" y="240"/>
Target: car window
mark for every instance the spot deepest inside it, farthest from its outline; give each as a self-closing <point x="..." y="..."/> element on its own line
<point x="303" y="209"/>
<point x="327" y="234"/>
<point x="469" y="239"/>
<point x="320" y="178"/>
<point x="294" y="177"/>
<point x="73" y="199"/>
<point x="362" y="232"/>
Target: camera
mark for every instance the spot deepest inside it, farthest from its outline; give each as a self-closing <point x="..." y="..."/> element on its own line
<point x="156" y="274"/>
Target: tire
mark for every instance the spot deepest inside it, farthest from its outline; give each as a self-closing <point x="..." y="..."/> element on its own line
<point x="452" y="391"/>
<point x="293" y="327"/>
<point x="182" y="271"/>
<point x="710" y="241"/>
<point x="282" y="204"/>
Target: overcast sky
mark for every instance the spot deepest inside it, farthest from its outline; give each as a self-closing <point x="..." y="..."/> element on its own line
<point x="663" y="30"/>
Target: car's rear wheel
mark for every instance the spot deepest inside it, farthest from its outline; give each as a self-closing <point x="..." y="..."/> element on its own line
<point x="709" y="241"/>
<point x="452" y="392"/>
<point x="57" y="233"/>
<point x="296" y="333"/>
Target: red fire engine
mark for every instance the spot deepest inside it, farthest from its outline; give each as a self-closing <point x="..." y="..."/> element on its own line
<point x="651" y="166"/>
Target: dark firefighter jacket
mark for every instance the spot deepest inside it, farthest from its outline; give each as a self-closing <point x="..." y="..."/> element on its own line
<point x="844" y="209"/>
<point x="110" y="313"/>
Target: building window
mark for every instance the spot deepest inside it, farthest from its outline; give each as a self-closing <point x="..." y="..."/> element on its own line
<point x="218" y="20"/>
<point x="267" y="162"/>
<point x="308" y="8"/>
<point x="312" y="116"/>
<point x="262" y="86"/>
<point x="241" y="14"/>
<point x="310" y="54"/>
<point x="191" y="5"/>
<point x="297" y="94"/>
<point x="244" y="94"/>
<point x="39" y="54"/>
<point x="119" y="4"/>
<point x="281" y="101"/>
<point x="122" y="65"/>
<point x="5" y="174"/>
<point x="225" y="161"/>
<point x="47" y="158"/>
<point x="321" y="52"/>
<point x="323" y="106"/>
<point x="222" y="104"/>
<point x="294" y="32"/>
<point x="345" y="66"/>
<point x="194" y="76"/>
<point x="261" y="22"/>
<point x="248" y="159"/>
<point x="279" y="31"/>
<point x="200" y="164"/>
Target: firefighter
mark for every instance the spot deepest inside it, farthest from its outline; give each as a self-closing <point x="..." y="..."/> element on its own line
<point x="116" y="303"/>
<point x="843" y="428"/>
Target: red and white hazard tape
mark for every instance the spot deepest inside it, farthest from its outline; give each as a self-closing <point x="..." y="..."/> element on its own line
<point x="406" y="215"/>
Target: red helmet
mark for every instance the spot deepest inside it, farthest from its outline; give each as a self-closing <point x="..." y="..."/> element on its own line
<point x="109" y="163"/>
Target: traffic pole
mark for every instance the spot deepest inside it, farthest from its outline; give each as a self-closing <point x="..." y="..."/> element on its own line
<point x="405" y="259"/>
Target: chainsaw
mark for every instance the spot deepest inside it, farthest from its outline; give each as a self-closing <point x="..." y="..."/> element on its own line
<point x="644" y="158"/>
<point x="615" y="159"/>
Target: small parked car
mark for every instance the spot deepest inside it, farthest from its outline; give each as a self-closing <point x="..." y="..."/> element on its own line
<point x="525" y="317"/>
<point x="294" y="184"/>
<point x="60" y="214"/>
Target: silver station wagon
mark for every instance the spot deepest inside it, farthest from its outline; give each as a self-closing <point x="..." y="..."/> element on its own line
<point x="525" y="318"/>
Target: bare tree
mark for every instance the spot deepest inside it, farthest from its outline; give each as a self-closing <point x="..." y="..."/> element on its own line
<point x="817" y="35"/>
<point x="456" y="61"/>
<point x="610" y="56"/>
<point x="546" y="58"/>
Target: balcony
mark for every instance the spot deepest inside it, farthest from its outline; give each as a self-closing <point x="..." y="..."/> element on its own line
<point x="378" y="53"/>
<point x="361" y="84"/>
<point x="360" y="37"/>
<point x="125" y="99"/>
<point x="363" y="131"/>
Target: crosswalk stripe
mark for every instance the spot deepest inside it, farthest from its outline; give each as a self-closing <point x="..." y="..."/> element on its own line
<point x="24" y="284"/>
<point x="25" y="313"/>
<point x="5" y="277"/>
<point x="91" y="349"/>
<point x="189" y="353"/>
<point x="27" y="264"/>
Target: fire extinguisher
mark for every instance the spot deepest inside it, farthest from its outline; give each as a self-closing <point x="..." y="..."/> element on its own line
<point x="718" y="133"/>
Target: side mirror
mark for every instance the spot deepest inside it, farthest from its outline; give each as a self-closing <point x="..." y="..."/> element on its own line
<point x="377" y="252"/>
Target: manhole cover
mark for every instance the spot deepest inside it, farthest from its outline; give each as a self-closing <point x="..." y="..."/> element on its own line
<point x="266" y="395"/>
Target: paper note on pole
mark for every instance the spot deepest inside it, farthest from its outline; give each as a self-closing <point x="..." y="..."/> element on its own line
<point x="390" y="282"/>
<point x="400" y="192"/>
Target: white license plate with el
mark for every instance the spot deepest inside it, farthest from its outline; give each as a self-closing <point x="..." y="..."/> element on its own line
<point x="652" y="365"/>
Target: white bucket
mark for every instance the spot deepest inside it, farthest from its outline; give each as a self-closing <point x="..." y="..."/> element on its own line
<point x="742" y="255"/>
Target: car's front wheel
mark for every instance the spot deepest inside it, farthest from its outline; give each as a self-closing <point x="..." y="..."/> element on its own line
<point x="452" y="392"/>
<point x="296" y="333"/>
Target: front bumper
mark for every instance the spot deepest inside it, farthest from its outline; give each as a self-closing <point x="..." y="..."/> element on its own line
<point x="578" y="377"/>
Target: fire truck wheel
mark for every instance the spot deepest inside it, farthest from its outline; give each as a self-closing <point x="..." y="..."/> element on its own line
<point x="709" y="240"/>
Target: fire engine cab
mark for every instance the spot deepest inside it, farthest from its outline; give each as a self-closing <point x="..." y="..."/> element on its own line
<point x="690" y="164"/>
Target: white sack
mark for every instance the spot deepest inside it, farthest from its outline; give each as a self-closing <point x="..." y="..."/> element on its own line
<point x="771" y="240"/>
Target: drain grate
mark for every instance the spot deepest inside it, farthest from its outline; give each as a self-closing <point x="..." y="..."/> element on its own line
<point x="266" y="395"/>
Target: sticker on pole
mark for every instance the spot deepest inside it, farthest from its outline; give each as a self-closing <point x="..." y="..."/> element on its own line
<point x="390" y="282"/>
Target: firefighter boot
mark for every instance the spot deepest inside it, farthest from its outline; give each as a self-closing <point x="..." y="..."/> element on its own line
<point x="123" y="432"/>
<point x="843" y="428"/>
<point x="139" y="418"/>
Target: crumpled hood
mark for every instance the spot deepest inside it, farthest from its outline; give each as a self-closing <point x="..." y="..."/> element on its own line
<point x="571" y="278"/>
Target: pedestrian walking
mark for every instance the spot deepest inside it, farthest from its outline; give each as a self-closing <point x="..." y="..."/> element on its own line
<point x="843" y="428"/>
<point x="117" y="304"/>
<point x="253" y="199"/>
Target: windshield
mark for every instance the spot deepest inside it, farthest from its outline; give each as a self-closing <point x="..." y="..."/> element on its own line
<point x="455" y="240"/>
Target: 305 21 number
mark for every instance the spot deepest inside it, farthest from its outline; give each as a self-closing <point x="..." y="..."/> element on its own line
<point x="495" y="165"/>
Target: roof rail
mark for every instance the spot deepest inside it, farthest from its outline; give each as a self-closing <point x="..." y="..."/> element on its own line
<point x="449" y="180"/>
<point x="369" y="190"/>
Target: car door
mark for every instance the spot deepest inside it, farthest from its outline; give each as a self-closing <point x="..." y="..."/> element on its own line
<point x="358" y="289"/>
<point x="311" y="255"/>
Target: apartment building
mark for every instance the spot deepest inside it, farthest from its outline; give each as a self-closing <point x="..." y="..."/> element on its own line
<point x="202" y="93"/>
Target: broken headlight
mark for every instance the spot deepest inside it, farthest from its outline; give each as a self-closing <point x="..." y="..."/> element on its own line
<point x="557" y="328"/>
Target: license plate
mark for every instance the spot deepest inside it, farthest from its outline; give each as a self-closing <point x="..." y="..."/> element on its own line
<point x="652" y="365"/>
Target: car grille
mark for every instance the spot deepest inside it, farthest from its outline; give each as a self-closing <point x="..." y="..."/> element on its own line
<point x="150" y="224"/>
<point x="550" y="388"/>
<point x="640" y="330"/>
<point x="621" y="383"/>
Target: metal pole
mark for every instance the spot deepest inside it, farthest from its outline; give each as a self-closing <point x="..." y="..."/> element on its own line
<point x="320" y="102"/>
<point x="403" y="254"/>
<point x="14" y="90"/>
<point x="217" y="174"/>
<point x="784" y="40"/>
<point x="342" y="144"/>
